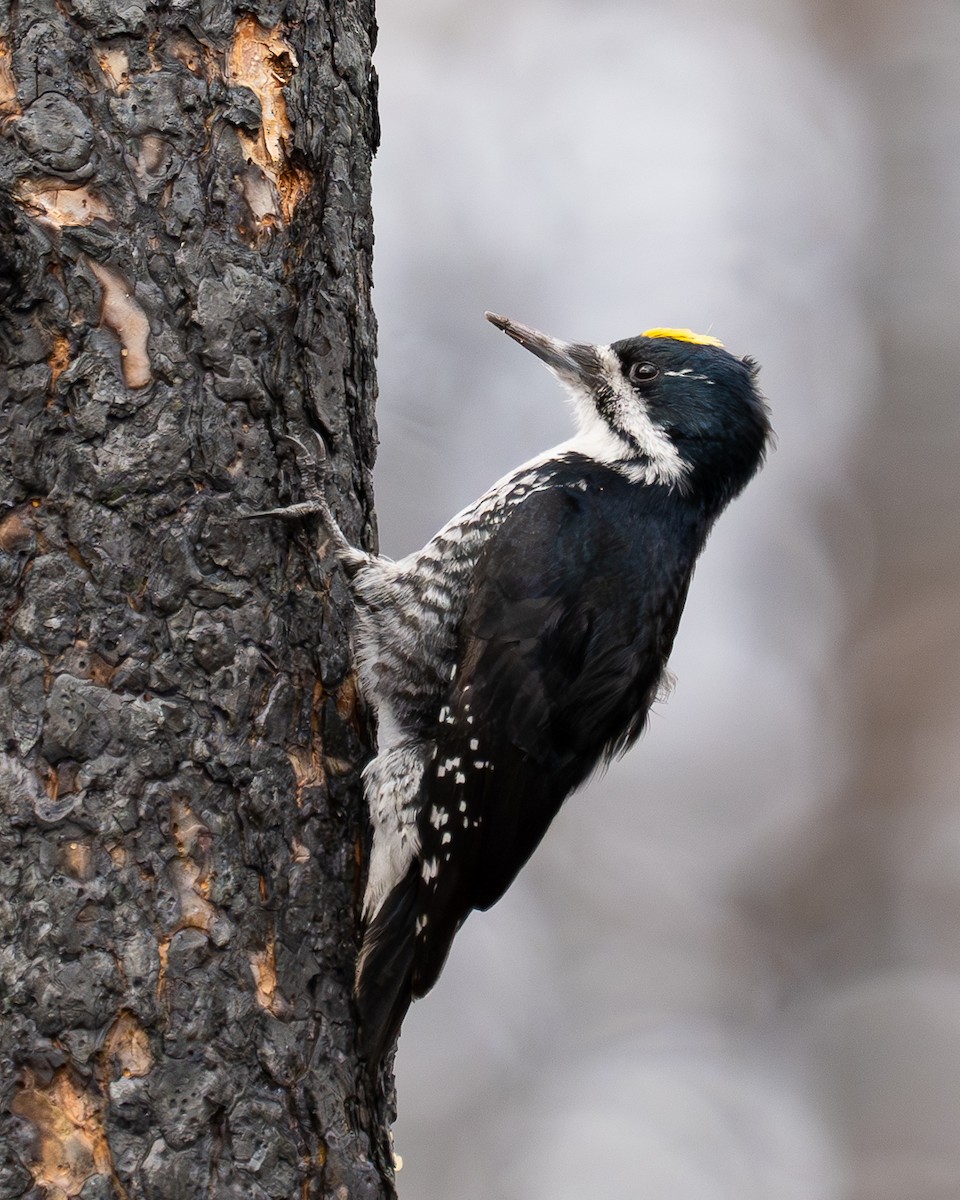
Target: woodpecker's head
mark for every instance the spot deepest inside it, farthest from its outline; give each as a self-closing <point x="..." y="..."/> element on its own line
<point x="672" y="405"/>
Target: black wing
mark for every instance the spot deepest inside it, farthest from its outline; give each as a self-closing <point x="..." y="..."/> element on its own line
<point x="573" y="610"/>
<point x="572" y="616"/>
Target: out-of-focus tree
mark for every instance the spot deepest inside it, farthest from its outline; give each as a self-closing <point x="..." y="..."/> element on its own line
<point x="733" y="965"/>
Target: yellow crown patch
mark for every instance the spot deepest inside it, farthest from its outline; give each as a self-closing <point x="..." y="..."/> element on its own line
<point x="684" y="335"/>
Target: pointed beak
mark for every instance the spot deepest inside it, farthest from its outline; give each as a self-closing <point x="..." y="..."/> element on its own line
<point x="572" y="362"/>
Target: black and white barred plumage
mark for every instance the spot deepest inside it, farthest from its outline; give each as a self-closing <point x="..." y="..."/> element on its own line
<point x="525" y="643"/>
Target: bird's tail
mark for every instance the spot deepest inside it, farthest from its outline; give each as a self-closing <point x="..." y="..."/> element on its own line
<point x="383" y="986"/>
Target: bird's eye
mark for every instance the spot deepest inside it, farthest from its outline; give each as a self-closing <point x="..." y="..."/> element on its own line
<point x="643" y="372"/>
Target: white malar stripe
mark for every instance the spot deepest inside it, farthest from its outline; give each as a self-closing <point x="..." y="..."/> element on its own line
<point x="665" y="465"/>
<point x="595" y="439"/>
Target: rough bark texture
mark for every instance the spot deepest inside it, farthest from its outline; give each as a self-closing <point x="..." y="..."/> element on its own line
<point x="184" y="276"/>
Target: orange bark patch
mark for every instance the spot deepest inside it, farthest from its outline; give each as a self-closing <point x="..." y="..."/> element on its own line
<point x="124" y="317"/>
<point x="191" y="880"/>
<point x="76" y="859"/>
<point x="191" y="53"/>
<point x="15" y="533"/>
<point x="153" y="153"/>
<point x="163" y="954"/>
<point x="348" y="701"/>
<point x="59" y="358"/>
<point x="115" y="67"/>
<point x="63" y="206"/>
<point x="189" y="832"/>
<point x="89" y="665"/>
<point x="308" y="770"/>
<point x="51" y="783"/>
<point x="71" y="1141"/>
<point x="126" y="1048"/>
<point x="99" y="670"/>
<point x="263" y="964"/>
<point x="9" y="105"/>
<point x="261" y="60"/>
<point x="293" y="183"/>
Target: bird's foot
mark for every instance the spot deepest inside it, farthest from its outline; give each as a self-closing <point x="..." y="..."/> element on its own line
<point x="311" y="461"/>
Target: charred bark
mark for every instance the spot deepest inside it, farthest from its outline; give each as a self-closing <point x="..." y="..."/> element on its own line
<point x="185" y="257"/>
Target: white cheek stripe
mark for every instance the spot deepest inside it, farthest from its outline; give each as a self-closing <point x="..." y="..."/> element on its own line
<point x="664" y="463"/>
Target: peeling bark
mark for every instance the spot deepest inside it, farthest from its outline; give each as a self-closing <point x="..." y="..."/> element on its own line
<point x="185" y="256"/>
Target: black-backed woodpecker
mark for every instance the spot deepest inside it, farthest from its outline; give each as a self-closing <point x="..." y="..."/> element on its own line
<point x="524" y="644"/>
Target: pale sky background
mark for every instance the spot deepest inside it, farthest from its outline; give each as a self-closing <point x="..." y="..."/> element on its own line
<point x="732" y="971"/>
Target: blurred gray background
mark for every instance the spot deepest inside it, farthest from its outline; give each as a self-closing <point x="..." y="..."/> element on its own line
<point x="733" y="968"/>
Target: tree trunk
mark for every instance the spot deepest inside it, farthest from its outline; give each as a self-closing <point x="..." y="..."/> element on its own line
<point x="185" y="250"/>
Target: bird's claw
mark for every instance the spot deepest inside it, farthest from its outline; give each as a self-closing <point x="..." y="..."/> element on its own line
<point x="311" y="461"/>
<point x="291" y="512"/>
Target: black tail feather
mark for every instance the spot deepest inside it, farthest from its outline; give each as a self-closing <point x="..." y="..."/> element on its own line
<point x="385" y="970"/>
